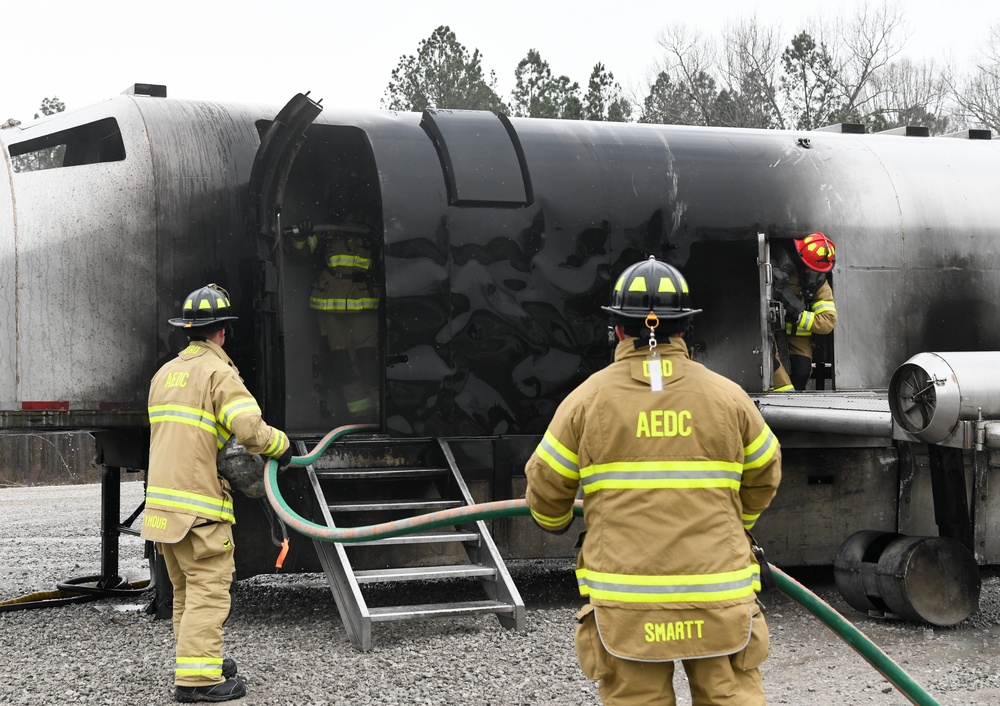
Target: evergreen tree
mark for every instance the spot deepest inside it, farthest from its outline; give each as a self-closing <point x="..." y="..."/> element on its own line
<point x="442" y="74"/>
<point x="809" y="83"/>
<point x="539" y="94"/>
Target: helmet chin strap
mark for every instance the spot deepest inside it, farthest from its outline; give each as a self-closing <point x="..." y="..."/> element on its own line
<point x="653" y="359"/>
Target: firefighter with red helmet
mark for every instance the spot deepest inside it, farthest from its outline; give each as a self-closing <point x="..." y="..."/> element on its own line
<point x="197" y="402"/>
<point x="801" y="284"/>
<point x="676" y="464"/>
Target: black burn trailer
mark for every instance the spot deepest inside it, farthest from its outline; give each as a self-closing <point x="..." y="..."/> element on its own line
<point x="495" y="241"/>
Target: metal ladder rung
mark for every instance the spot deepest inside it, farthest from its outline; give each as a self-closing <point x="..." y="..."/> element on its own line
<point x="394" y="472"/>
<point x="421" y="573"/>
<point x="409" y="505"/>
<point x="422" y="538"/>
<point x="438" y="610"/>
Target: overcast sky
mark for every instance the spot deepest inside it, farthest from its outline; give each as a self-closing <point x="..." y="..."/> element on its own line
<point x="343" y="51"/>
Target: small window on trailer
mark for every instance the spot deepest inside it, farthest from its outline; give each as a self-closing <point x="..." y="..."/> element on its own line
<point x="93" y="143"/>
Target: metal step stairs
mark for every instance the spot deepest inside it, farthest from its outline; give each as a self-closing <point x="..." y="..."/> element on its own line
<point x="360" y="482"/>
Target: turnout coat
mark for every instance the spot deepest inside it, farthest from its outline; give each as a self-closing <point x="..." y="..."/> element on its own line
<point x="196" y="402"/>
<point x="671" y="480"/>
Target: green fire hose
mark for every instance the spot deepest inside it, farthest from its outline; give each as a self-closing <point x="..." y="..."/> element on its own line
<point x="791" y="588"/>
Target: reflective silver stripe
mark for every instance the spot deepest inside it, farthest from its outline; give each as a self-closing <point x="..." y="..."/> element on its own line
<point x="805" y="323"/>
<point x="200" y="666"/>
<point x="235" y="409"/>
<point x="167" y="498"/>
<point x="551" y="452"/>
<point x="656" y="590"/>
<point x="766" y="448"/>
<point x="183" y="414"/>
<point x="605" y="476"/>
<point x="361" y="304"/>
<point x="278" y="442"/>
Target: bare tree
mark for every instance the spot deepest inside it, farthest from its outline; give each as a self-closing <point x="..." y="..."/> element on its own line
<point x="669" y="103"/>
<point x="749" y="76"/>
<point x="866" y="44"/>
<point x="908" y="93"/>
<point x="688" y="72"/>
<point x="977" y="97"/>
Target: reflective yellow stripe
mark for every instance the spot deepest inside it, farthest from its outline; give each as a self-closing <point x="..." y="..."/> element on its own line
<point x="343" y="304"/>
<point x="235" y="408"/>
<point x="299" y="242"/>
<point x="804" y="326"/>
<point x="198" y="666"/>
<point x="749" y="520"/>
<point x="552" y="522"/>
<point x="822" y="305"/>
<point x="761" y="450"/>
<point x="194" y="503"/>
<point x="696" y="588"/>
<point x="662" y="474"/>
<point x="360" y="405"/>
<point x="559" y="458"/>
<point x="182" y="414"/>
<point x="278" y="444"/>
<point x="356" y="261"/>
<point x="784" y="388"/>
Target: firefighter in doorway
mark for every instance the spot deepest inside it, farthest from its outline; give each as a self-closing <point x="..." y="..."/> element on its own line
<point x="197" y="401"/>
<point x="676" y="465"/>
<point x="345" y="298"/>
<point x="801" y="284"/>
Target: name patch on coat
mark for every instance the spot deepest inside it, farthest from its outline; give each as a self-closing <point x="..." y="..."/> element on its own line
<point x="663" y="422"/>
<point x="674" y="631"/>
<point x="154" y="522"/>
<point x="177" y="379"/>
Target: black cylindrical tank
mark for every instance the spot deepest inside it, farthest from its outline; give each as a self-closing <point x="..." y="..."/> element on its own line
<point x="929" y="579"/>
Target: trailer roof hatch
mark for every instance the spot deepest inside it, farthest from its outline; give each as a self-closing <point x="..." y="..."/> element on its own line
<point x="481" y="157"/>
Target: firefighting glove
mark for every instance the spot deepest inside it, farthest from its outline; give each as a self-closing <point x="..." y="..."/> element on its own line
<point x="285" y="459"/>
<point x="794" y="306"/>
<point x="767" y="580"/>
<point x="305" y="228"/>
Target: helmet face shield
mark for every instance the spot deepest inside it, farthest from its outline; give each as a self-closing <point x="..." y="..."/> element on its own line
<point x="648" y="287"/>
<point x="817" y="252"/>
<point x="204" y="307"/>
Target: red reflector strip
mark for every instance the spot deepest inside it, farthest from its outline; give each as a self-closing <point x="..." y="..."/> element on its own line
<point x="64" y="406"/>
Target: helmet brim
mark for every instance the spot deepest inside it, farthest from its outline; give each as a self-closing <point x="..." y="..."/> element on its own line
<point x="641" y="316"/>
<point x="193" y="323"/>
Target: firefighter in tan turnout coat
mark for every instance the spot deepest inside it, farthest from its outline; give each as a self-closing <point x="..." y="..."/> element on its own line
<point x="197" y="402"/>
<point x="676" y="465"/>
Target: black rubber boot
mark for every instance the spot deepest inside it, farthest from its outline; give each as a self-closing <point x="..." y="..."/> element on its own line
<point x="224" y="691"/>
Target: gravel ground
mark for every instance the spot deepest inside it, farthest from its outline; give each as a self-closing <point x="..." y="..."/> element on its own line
<point x="291" y="646"/>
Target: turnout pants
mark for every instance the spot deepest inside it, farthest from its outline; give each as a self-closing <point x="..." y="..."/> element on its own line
<point x="201" y="567"/>
<point x="728" y="680"/>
